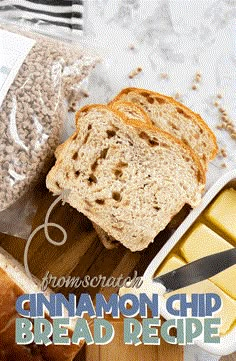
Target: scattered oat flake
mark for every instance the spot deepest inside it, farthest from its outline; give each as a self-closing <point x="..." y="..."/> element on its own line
<point x="225" y="122"/>
<point x="135" y="72"/>
<point x="198" y="77"/>
<point x="222" y="110"/>
<point x="222" y="152"/>
<point x="225" y="118"/>
<point x="177" y="96"/>
<point x="164" y="75"/>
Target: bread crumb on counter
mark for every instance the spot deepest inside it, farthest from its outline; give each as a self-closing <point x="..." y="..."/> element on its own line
<point x="135" y="72"/>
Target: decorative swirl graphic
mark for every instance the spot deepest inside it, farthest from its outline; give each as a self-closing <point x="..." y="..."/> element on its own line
<point x="63" y="198"/>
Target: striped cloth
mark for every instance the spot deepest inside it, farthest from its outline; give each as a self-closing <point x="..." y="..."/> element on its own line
<point x="66" y="15"/>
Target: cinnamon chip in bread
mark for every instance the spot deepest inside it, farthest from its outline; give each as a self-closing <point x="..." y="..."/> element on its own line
<point x="176" y="119"/>
<point x="130" y="179"/>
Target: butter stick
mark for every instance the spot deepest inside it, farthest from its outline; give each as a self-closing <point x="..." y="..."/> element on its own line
<point x="228" y="309"/>
<point x="222" y="213"/>
<point x="201" y="242"/>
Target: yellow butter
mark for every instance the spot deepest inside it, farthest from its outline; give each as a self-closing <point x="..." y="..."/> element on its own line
<point x="201" y="242"/>
<point x="228" y="309"/>
<point x="222" y="213"/>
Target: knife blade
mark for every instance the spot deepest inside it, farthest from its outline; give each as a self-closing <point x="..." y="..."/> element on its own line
<point x="197" y="271"/>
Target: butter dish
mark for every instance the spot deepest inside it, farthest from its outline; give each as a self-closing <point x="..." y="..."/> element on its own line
<point x="215" y="195"/>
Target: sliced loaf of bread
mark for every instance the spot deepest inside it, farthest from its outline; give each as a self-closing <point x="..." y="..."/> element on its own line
<point x="173" y="117"/>
<point x="129" y="180"/>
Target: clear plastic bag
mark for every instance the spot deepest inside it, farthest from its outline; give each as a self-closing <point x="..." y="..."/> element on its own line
<point x="54" y="18"/>
<point x="34" y="109"/>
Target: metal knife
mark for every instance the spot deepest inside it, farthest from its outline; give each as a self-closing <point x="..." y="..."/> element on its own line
<point x="197" y="271"/>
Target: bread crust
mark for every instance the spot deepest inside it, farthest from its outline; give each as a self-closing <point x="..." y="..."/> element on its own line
<point x="108" y="242"/>
<point x="115" y="106"/>
<point x="137" y="124"/>
<point x="194" y="116"/>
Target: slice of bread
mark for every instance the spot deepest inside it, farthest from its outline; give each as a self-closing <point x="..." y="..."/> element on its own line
<point x="131" y="112"/>
<point x="13" y="283"/>
<point x="129" y="180"/>
<point x="173" y="117"/>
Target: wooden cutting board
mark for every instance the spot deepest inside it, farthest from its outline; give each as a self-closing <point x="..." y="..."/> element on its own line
<point x="83" y="254"/>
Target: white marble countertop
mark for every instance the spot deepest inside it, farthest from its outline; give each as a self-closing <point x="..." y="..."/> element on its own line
<point x="178" y="38"/>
